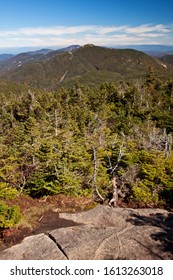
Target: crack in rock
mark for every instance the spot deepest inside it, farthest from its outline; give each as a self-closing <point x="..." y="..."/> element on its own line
<point x="102" y="246"/>
<point x="57" y="244"/>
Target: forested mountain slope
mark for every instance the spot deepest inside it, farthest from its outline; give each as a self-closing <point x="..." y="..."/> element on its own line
<point x="168" y="58"/>
<point x="88" y="64"/>
<point x="11" y="62"/>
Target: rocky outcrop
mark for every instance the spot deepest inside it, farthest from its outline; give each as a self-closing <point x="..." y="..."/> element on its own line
<point x="102" y="233"/>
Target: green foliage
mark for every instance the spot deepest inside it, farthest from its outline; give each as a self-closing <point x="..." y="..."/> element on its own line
<point x="167" y="192"/>
<point x="9" y="216"/>
<point x="144" y="195"/>
<point x="148" y="177"/>
<point x="48" y="140"/>
<point x="7" y="193"/>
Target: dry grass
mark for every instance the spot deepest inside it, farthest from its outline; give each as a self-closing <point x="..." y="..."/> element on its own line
<point x="42" y="214"/>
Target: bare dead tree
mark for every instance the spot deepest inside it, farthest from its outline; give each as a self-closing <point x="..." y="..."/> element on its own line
<point x="31" y="94"/>
<point x="22" y="185"/>
<point x="168" y="143"/>
<point x="56" y="122"/>
<point x="56" y="171"/>
<point x="115" y="191"/>
<point x="32" y="98"/>
<point x="96" y="194"/>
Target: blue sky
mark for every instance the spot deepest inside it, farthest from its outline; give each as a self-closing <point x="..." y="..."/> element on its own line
<point x="54" y="23"/>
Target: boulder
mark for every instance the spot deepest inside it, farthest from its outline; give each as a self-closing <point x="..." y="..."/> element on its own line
<point x="103" y="233"/>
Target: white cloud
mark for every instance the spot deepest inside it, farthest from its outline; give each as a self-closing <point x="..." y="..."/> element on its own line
<point x="44" y="31"/>
<point x="109" y="29"/>
<point x="148" y="28"/>
<point x="98" y="35"/>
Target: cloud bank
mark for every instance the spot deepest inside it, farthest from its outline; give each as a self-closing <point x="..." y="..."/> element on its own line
<point x="98" y="35"/>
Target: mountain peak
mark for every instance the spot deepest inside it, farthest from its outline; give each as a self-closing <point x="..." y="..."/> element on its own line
<point x="88" y="45"/>
<point x="88" y="64"/>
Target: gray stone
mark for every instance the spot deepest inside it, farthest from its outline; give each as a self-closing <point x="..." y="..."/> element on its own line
<point x="36" y="247"/>
<point x="103" y="233"/>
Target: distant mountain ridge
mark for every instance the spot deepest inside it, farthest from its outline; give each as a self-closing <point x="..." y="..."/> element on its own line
<point x="154" y="50"/>
<point x="7" y="53"/>
<point x="10" y="62"/>
<point x="42" y="51"/>
<point x="5" y="56"/>
<point x="88" y="64"/>
<point x="145" y="48"/>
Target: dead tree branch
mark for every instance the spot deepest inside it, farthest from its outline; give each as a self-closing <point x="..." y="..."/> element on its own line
<point x="115" y="191"/>
<point x="96" y="194"/>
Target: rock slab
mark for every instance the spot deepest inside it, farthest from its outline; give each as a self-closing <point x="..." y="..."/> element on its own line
<point x="102" y="233"/>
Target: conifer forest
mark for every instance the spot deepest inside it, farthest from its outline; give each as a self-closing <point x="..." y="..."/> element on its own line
<point x="82" y="140"/>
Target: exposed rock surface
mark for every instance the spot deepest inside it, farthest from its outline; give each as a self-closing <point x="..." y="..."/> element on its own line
<point x="102" y="233"/>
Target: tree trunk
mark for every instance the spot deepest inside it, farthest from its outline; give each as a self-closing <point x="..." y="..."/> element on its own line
<point x="56" y="123"/>
<point x="113" y="201"/>
<point x="96" y="194"/>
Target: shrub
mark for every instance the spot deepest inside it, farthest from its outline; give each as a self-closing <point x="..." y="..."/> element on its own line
<point x="6" y="192"/>
<point x="9" y="215"/>
<point x="144" y="195"/>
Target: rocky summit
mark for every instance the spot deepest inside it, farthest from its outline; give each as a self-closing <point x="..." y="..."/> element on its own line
<point x="103" y="233"/>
